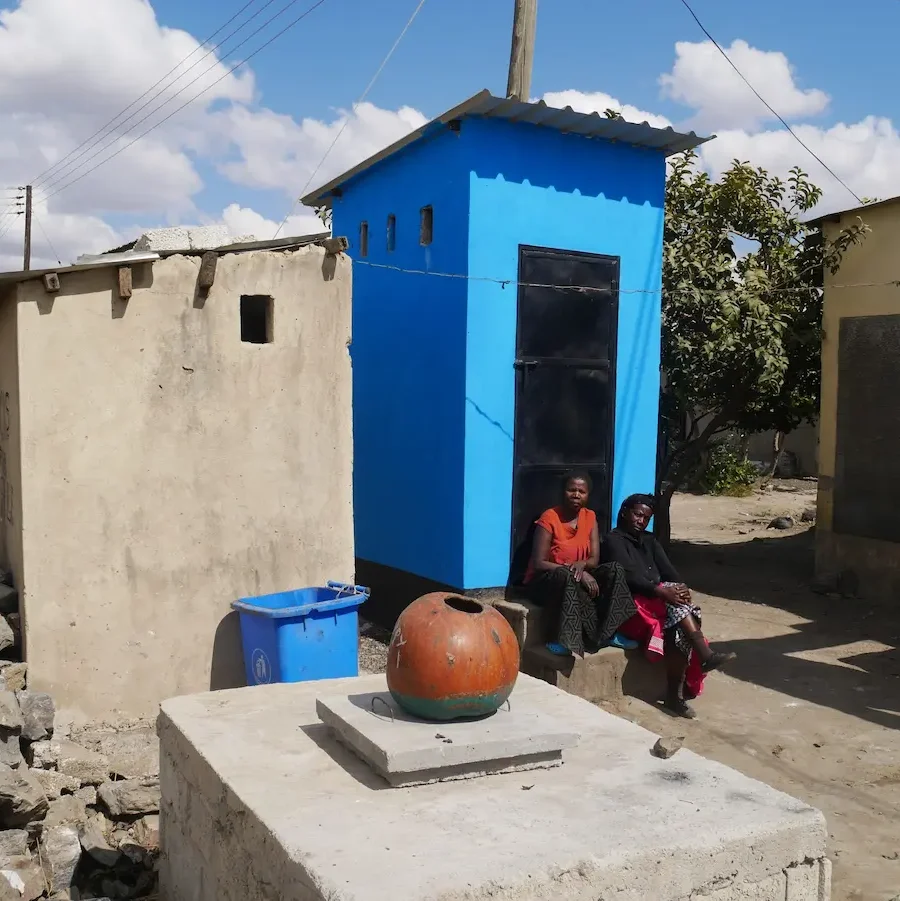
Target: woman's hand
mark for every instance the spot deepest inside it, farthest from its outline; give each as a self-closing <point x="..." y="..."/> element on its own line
<point x="590" y="584"/>
<point x="670" y="595"/>
<point x="684" y="593"/>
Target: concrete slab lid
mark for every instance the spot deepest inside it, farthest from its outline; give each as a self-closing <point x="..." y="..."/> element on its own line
<point x="394" y="742"/>
<point x="615" y="821"/>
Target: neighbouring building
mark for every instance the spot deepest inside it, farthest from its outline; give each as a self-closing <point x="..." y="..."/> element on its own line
<point x="506" y="321"/>
<point x="858" y="525"/>
<point x="175" y="434"/>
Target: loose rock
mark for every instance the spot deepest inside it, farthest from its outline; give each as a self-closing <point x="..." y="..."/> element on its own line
<point x="95" y="845"/>
<point x="38" y="712"/>
<point x="7" y="636"/>
<point x="13" y="843"/>
<point x="10" y="749"/>
<point x="22" y="800"/>
<point x="60" y="852"/>
<point x="132" y="753"/>
<point x="87" y="766"/>
<point x="781" y="523"/>
<point x="24" y="877"/>
<point x="10" y="714"/>
<point x="88" y="794"/>
<point x="667" y="747"/>
<point x="12" y="675"/>
<point x="146" y="832"/>
<point x="808" y="515"/>
<point x="131" y="797"/>
<point x="44" y="755"/>
<point x="65" y="811"/>
<point x="56" y="784"/>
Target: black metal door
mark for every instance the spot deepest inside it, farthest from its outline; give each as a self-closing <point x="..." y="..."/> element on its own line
<point x="565" y="380"/>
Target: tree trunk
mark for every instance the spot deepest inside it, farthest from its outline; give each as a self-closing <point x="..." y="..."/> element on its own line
<point x="777" y="451"/>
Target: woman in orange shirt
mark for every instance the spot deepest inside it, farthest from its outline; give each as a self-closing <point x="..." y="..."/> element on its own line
<point x="565" y="574"/>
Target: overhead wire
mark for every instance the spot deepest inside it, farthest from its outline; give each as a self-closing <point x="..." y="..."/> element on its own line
<point x="595" y="289"/>
<point x="47" y="238"/>
<point x="346" y="121"/>
<point x="60" y="178"/>
<point x="199" y="94"/>
<point x="769" y="107"/>
<point x="105" y="129"/>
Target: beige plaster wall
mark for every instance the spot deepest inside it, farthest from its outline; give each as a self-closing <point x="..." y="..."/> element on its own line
<point x="873" y="567"/>
<point x="10" y="480"/>
<point x="169" y="468"/>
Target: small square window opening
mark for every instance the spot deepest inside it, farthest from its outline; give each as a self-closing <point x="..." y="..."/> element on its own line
<point x="426" y="225"/>
<point x="363" y="239"/>
<point x="256" y="318"/>
<point x="391" y="233"/>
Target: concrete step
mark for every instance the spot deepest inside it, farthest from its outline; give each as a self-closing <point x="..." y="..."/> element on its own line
<point x="609" y="675"/>
<point x="528" y="620"/>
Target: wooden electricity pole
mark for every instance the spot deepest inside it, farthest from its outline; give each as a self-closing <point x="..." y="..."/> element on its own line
<point x="521" y="54"/>
<point x="27" y="263"/>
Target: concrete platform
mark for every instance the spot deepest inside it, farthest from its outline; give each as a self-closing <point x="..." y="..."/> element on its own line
<point x="409" y="751"/>
<point x="259" y="802"/>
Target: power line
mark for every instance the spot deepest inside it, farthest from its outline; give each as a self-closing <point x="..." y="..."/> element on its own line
<point x="175" y="68"/>
<point x="47" y="239"/>
<point x="346" y="121"/>
<point x="60" y="178"/>
<point x="790" y="130"/>
<point x="209" y="87"/>
<point x="593" y="289"/>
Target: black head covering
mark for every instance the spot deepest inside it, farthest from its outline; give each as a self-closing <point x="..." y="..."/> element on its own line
<point x="648" y="500"/>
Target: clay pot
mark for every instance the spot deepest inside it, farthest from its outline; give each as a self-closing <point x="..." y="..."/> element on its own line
<point x="451" y="657"/>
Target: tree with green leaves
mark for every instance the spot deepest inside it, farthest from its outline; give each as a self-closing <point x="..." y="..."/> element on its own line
<point x="742" y="308"/>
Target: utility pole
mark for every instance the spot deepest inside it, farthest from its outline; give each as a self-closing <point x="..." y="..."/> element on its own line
<point x="521" y="55"/>
<point x="27" y="264"/>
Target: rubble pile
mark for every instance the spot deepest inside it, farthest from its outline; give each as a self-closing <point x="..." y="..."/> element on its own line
<point x="79" y="811"/>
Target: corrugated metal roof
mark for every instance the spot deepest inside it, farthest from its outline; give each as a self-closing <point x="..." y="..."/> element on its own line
<point x="484" y="105"/>
<point x="837" y="214"/>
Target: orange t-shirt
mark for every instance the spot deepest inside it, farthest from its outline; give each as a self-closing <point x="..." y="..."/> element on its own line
<point x="568" y="544"/>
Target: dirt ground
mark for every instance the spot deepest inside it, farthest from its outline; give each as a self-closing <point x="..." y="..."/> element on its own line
<point x="812" y="704"/>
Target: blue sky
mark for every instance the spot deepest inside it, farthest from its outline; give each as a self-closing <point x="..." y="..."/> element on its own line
<point x="240" y="153"/>
<point x="457" y="47"/>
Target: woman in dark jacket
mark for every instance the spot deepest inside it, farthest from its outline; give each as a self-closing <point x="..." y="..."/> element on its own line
<point x="667" y="621"/>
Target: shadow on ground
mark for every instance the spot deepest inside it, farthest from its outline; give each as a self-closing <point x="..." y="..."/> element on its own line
<point x="855" y="672"/>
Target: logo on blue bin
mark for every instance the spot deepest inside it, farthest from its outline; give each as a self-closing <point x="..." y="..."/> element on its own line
<point x="262" y="669"/>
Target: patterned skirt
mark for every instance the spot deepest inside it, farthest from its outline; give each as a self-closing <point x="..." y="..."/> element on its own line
<point x="584" y="624"/>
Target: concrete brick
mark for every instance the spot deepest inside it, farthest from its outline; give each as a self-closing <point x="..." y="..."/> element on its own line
<point x="287" y="812"/>
<point x="528" y="621"/>
<point x="809" y="881"/>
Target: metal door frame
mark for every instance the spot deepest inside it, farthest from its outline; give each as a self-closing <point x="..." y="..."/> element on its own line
<point x="572" y="363"/>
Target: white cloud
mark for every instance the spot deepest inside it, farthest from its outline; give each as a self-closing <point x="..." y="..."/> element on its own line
<point x="702" y="79"/>
<point x="244" y="221"/>
<point x="275" y="151"/>
<point x="865" y="154"/>
<point x="598" y="102"/>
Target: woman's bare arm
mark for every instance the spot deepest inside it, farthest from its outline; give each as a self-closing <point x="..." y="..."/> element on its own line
<point x="593" y="561"/>
<point x="540" y="551"/>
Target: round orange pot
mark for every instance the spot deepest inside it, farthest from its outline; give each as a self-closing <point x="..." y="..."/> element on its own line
<point x="451" y="657"/>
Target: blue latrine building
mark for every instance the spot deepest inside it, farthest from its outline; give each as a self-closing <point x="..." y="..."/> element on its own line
<point x="506" y="328"/>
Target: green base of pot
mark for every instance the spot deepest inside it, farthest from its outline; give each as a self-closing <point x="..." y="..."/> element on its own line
<point x="455" y="708"/>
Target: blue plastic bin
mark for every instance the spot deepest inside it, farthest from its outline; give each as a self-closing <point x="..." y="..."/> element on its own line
<point x="302" y="635"/>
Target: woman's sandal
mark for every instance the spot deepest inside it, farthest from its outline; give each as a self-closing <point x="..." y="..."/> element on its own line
<point x="680" y="707"/>
<point x="717" y="661"/>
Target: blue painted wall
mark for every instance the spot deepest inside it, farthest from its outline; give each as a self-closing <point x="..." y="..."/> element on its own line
<point x="532" y="185"/>
<point x="433" y="380"/>
<point x="409" y="357"/>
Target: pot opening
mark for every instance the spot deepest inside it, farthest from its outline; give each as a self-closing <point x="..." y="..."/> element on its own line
<point x="464" y="605"/>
